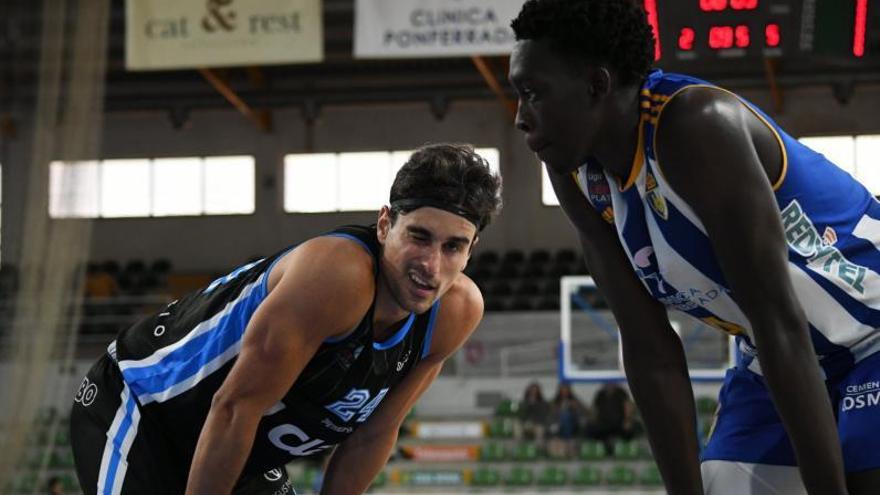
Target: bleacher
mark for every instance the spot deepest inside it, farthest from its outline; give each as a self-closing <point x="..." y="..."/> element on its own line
<point x="517" y="281"/>
<point x="489" y="457"/>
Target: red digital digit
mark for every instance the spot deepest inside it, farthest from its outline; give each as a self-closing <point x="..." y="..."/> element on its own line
<point x="771" y="35"/>
<point x="859" y="28"/>
<point x="720" y="37"/>
<point x="713" y="5"/>
<point x="743" y="4"/>
<point x="741" y="35"/>
<point x="686" y="39"/>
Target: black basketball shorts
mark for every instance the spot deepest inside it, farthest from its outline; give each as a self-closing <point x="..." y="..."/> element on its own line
<point x="117" y="451"/>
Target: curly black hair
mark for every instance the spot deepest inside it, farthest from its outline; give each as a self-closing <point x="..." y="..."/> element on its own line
<point x="612" y="32"/>
<point x="450" y="176"/>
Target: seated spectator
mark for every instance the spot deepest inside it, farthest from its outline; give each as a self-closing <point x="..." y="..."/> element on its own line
<point x="54" y="486"/>
<point x="613" y="416"/>
<point x="569" y="415"/>
<point x="99" y="283"/>
<point x="534" y="413"/>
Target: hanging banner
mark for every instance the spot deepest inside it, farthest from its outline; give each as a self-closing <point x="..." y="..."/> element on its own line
<point x="433" y="28"/>
<point x="175" y="34"/>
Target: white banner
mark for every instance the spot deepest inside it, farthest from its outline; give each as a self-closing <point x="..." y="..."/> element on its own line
<point x="433" y="28"/>
<point x="177" y="34"/>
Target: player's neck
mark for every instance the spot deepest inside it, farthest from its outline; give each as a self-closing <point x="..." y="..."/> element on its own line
<point x="616" y="143"/>
<point x="386" y="311"/>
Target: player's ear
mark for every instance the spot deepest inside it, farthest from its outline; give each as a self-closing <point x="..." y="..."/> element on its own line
<point x="470" y="251"/>
<point x="383" y="224"/>
<point x="599" y="81"/>
<point x="471" y="247"/>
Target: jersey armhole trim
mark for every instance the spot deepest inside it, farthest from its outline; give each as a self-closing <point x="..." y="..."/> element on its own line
<point x="426" y="346"/>
<point x="777" y="183"/>
<point x="264" y="284"/>
<point x="638" y="159"/>
<point x="362" y="244"/>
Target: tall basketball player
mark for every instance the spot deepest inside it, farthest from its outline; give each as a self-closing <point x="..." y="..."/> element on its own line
<point x="686" y="196"/>
<point x="325" y="344"/>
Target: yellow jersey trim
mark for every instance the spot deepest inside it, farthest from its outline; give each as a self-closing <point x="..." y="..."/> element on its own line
<point x="638" y="160"/>
<point x="656" y="122"/>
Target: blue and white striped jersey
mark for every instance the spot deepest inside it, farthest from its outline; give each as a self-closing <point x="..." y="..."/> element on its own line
<point x="831" y="223"/>
<point x="174" y="362"/>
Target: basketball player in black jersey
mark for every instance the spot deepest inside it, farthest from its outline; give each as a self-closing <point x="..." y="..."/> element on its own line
<point x="325" y="344"/>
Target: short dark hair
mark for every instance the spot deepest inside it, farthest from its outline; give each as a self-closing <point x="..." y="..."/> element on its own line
<point x="612" y="32"/>
<point x="451" y="176"/>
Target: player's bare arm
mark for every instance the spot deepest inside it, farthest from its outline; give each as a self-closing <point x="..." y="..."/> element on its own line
<point x="360" y="458"/>
<point x="301" y="311"/>
<point x="721" y="159"/>
<point x="653" y="355"/>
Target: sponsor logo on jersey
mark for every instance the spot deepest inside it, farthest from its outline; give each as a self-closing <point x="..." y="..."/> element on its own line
<point x="402" y="362"/>
<point x="861" y="396"/>
<point x="821" y="255"/>
<point x="273" y="475"/>
<point x="280" y="436"/>
<point x="346" y="356"/>
<point x="654" y="198"/>
<point x="645" y="262"/>
<point x="285" y="489"/>
<point x="330" y="425"/>
<point x="830" y="236"/>
<point x="87" y="393"/>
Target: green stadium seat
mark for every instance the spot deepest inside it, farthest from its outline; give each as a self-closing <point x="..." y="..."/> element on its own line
<point x="27" y="482"/>
<point x="587" y="476"/>
<point x="706" y="405"/>
<point x="651" y="476"/>
<point x="507" y="408"/>
<point x="62" y="437"/>
<point x="626" y="450"/>
<point x="69" y="482"/>
<point x="526" y="451"/>
<point x="491" y="452"/>
<point x="34" y="459"/>
<point x="501" y="428"/>
<point x="520" y="476"/>
<point x="62" y="458"/>
<point x="380" y="480"/>
<point x="38" y="436"/>
<point x="621" y="476"/>
<point x="591" y="450"/>
<point x="553" y="476"/>
<point x="486" y="477"/>
<point x="45" y="416"/>
<point x="306" y="480"/>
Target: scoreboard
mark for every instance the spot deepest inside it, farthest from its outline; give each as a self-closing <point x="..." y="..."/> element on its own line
<point x="695" y="33"/>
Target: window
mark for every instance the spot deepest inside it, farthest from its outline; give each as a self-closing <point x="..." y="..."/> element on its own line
<point x="855" y="154"/>
<point x="360" y="181"/>
<point x="158" y="187"/>
<point x="548" y="195"/>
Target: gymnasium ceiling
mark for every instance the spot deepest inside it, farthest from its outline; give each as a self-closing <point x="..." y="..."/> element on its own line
<point x="340" y="79"/>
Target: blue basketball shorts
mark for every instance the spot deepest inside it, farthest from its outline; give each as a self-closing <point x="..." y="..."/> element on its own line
<point x="748" y="429"/>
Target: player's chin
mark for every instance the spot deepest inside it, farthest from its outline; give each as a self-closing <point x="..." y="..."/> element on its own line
<point x="560" y="165"/>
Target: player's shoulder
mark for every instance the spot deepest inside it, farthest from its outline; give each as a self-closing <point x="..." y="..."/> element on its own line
<point x="336" y="264"/>
<point x="698" y="107"/>
<point x="333" y="254"/>
<point x="461" y="310"/>
<point x="463" y="299"/>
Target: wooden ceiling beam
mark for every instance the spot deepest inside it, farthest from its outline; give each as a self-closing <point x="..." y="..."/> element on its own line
<point x="482" y="65"/>
<point x="262" y="119"/>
